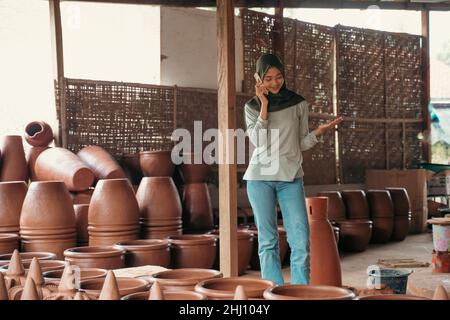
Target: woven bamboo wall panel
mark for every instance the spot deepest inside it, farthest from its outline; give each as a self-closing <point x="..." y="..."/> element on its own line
<point x="413" y="147"/>
<point x="395" y="146"/>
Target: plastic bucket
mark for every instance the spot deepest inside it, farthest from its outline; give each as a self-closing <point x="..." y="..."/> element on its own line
<point x="395" y="279"/>
<point x="441" y="237"/>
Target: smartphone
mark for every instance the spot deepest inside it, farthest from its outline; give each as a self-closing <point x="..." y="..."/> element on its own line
<point x="257" y="78"/>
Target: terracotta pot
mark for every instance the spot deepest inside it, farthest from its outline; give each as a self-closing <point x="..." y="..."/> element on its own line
<point x="354" y="235"/>
<point x="54" y="277"/>
<point x="224" y="288"/>
<point x="146" y="252"/>
<point x="401" y="227"/>
<point x="356" y="204"/>
<point x="62" y="165"/>
<point x="47" y="221"/>
<point x="194" y="170"/>
<point x="336" y="207"/>
<point x="440" y="262"/>
<point x="82" y="197"/>
<point x="283" y="247"/>
<point x="113" y="213"/>
<point x="156" y="163"/>
<point x="193" y="251"/>
<point x="27" y="257"/>
<point x="46" y="265"/>
<point x="168" y="295"/>
<point x="127" y="286"/>
<point x="103" y="257"/>
<point x="160" y="232"/>
<point x="8" y="242"/>
<point x="382" y="229"/>
<point x="400" y="199"/>
<point x="197" y="208"/>
<point x="392" y="297"/>
<point x="380" y="204"/>
<point x="81" y="218"/>
<point x="132" y="167"/>
<point x="31" y="157"/>
<point x="38" y="134"/>
<point x="159" y="203"/>
<point x="14" y="166"/>
<point x="12" y="195"/>
<point x="183" y="279"/>
<point x="324" y="255"/>
<point x="308" y="292"/>
<point x="102" y="164"/>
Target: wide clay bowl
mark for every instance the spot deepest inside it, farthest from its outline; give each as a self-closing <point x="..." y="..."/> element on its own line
<point x="103" y="257"/>
<point x="127" y="286"/>
<point x="28" y="256"/>
<point x="224" y="288"/>
<point x="46" y="265"/>
<point x="54" y="277"/>
<point x="156" y="163"/>
<point x="308" y="292"/>
<point x="183" y="279"/>
<point x="146" y="252"/>
<point x="392" y="297"/>
<point x="168" y="295"/>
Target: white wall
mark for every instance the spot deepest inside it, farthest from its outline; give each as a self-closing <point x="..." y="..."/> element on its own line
<point x="189" y="48"/>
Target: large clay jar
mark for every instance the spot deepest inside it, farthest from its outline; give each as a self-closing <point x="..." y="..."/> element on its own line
<point x="47" y="221"/>
<point x="197" y="208"/>
<point x="224" y="288"/>
<point x="14" y="165"/>
<point x="324" y="255"/>
<point x="93" y="287"/>
<point x="194" y="169"/>
<point x="82" y="197"/>
<point x="113" y="213"/>
<point x="382" y="229"/>
<point x="400" y="199"/>
<point x="168" y="295"/>
<point x="54" y="276"/>
<point x="380" y="204"/>
<point x="132" y="167"/>
<point x="12" y="195"/>
<point x="183" y="279"/>
<point x="161" y="232"/>
<point x="8" y="242"/>
<point x="156" y="163"/>
<point x="159" y="204"/>
<point x="193" y="251"/>
<point x="401" y="227"/>
<point x="103" y="257"/>
<point x="356" y="204"/>
<point x="146" y="252"/>
<point x="102" y="164"/>
<point x="354" y="235"/>
<point x="38" y="134"/>
<point x="308" y="292"/>
<point x="336" y="207"/>
<point x="81" y="217"/>
<point x="31" y="157"/>
<point x="62" y="165"/>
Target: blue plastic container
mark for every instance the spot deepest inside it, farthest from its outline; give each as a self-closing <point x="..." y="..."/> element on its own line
<point x="395" y="279"/>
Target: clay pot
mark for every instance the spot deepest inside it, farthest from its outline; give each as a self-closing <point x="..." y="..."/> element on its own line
<point x="392" y="297"/>
<point x="382" y="229"/>
<point x="103" y="257"/>
<point x="282" y="243"/>
<point x="401" y="227"/>
<point x="82" y="197"/>
<point x="380" y="204"/>
<point x="168" y="295"/>
<point x="354" y="235"/>
<point x="308" y="292"/>
<point x="224" y="288"/>
<point x="12" y="195"/>
<point x="146" y="252"/>
<point x="27" y="257"/>
<point x="356" y="204"/>
<point x="193" y="172"/>
<point x="38" y="134"/>
<point x="197" y="208"/>
<point x="113" y="213"/>
<point x="127" y="286"/>
<point x="31" y="157"/>
<point x="47" y="221"/>
<point x="46" y="265"/>
<point x="160" y="232"/>
<point x="8" y="242"/>
<point x="400" y="199"/>
<point x="324" y="255"/>
<point x="132" y="167"/>
<point x="336" y="207"/>
<point x="440" y="262"/>
<point x="183" y="279"/>
<point x="62" y="165"/>
<point x="156" y="163"/>
<point x="14" y="166"/>
<point x="193" y="251"/>
<point x="102" y="164"/>
<point x="81" y="218"/>
<point x="54" y="277"/>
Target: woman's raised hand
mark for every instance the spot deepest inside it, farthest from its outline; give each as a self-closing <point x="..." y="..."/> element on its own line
<point x="261" y="91"/>
<point x="326" y="126"/>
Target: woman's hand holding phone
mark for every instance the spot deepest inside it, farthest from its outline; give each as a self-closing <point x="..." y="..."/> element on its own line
<point x="261" y="91"/>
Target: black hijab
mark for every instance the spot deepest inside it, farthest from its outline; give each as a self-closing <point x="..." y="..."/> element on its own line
<point x="285" y="98"/>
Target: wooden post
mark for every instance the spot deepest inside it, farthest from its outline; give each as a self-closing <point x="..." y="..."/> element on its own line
<point x="279" y="31"/>
<point x="227" y="120"/>
<point x="426" y="147"/>
<point x="58" y="67"/>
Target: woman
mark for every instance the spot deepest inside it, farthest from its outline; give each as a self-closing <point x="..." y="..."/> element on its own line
<point x="277" y="124"/>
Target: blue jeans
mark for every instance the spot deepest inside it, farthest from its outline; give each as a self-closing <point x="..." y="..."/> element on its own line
<point x="291" y="198"/>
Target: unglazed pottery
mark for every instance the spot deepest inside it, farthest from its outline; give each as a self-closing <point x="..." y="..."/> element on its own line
<point x="168" y="295"/>
<point x="130" y="164"/>
<point x="146" y="252"/>
<point x="103" y="257"/>
<point x="400" y="199"/>
<point x="8" y="242"/>
<point x="224" y="288"/>
<point x="31" y="157"/>
<point x="197" y="207"/>
<point x="102" y="164"/>
<point x="380" y="204"/>
<point x="183" y="279"/>
<point x="54" y="277"/>
<point x="336" y="207"/>
<point x="38" y="134"/>
<point x="308" y="292"/>
<point x="81" y="218"/>
<point x="14" y="166"/>
<point x="356" y="204"/>
<point x="382" y="229"/>
<point x="156" y="163"/>
<point x="392" y="297"/>
<point x="193" y="251"/>
<point x="82" y="197"/>
<point x="126" y="286"/>
<point x="354" y="234"/>
<point x="194" y="169"/>
<point x="401" y="227"/>
<point x="27" y="256"/>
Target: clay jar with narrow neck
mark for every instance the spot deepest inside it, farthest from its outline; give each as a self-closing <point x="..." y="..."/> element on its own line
<point x="197" y="208"/>
<point x="31" y="156"/>
<point x="62" y="165"/>
<point x="81" y="218"/>
<point x="38" y="134"/>
<point x="356" y="204"/>
<point x="156" y="163"/>
<point x="194" y="169"/>
<point x="324" y="256"/>
<point x="146" y="252"/>
<point x="47" y="221"/>
<point x="193" y="251"/>
<point x="14" y="165"/>
<point x="103" y="257"/>
<point x="12" y="195"/>
<point x="102" y="164"/>
<point x="113" y="213"/>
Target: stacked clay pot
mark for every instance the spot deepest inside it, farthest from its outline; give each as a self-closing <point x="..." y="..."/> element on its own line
<point x="27" y="257"/>
<point x="47" y="221"/>
<point x="54" y="276"/>
<point x="12" y="195"/>
<point x="45" y="265"/>
<point x="146" y="252"/>
<point x="193" y="251"/>
<point x="402" y="213"/>
<point x="132" y="167"/>
<point x="160" y="208"/>
<point x="183" y="279"/>
<point x="282" y="243"/>
<point x="324" y="256"/>
<point x="8" y="242"/>
<point x="354" y="234"/>
<point x="102" y="164"/>
<point x="14" y="166"/>
<point x="382" y="215"/>
<point x="197" y="207"/>
<point x="224" y="288"/>
<point x="103" y="257"/>
<point x="81" y="218"/>
<point x="113" y="213"/>
<point x="156" y="163"/>
<point x="31" y="157"/>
